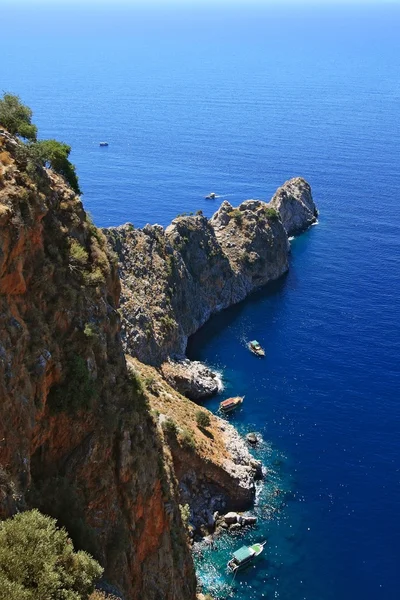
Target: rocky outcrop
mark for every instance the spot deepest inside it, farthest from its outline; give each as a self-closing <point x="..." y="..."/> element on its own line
<point x="295" y="205"/>
<point x="193" y="379"/>
<point x="214" y="467"/>
<point x="77" y="438"/>
<point x="173" y="280"/>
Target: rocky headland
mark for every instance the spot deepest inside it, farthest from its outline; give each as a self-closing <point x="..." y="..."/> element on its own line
<point x="174" y="279"/>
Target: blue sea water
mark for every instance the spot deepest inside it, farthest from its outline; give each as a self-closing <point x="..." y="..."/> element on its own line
<point x="236" y="101"/>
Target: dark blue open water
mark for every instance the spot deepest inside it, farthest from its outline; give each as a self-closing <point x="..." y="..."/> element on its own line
<point x="237" y="101"/>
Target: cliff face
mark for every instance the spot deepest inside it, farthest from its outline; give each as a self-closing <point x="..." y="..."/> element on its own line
<point x="213" y="465"/>
<point x="173" y="280"/>
<point x="296" y="206"/>
<point x="77" y="438"/>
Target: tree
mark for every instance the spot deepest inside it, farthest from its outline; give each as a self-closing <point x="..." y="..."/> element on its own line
<point x="202" y="419"/>
<point x="16" y="117"/>
<point x="55" y="155"/>
<point x="38" y="562"/>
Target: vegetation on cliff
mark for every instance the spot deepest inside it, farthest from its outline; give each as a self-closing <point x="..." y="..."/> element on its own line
<point x="16" y="118"/>
<point x="38" y="561"/>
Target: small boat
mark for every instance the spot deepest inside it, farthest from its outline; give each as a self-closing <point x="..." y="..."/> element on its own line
<point x="255" y="347"/>
<point x="103" y="143"/>
<point x="231" y="404"/>
<point x="244" y="556"/>
<point x="211" y="196"/>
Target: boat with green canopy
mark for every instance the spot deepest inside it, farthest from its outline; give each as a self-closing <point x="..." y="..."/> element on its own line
<point x="244" y="556"/>
<point x="256" y="348"/>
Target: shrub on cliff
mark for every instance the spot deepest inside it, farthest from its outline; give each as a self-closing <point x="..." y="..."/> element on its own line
<point x="169" y="426"/>
<point x="202" y="419"/>
<point x="237" y="216"/>
<point x="271" y="213"/>
<point x="77" y="390"/>
<point x="55" y="155"/>
<point x="16" y="117"/>
<point x="38" y="562"/>
<point x="187" y="439"/>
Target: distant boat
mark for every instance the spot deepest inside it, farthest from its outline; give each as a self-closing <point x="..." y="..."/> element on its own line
<point x="231" y="404"/>
<point x="255" y="348"/>
<point x="244" y="556"/>
<point x="211" y="196"/>
<point x="103" y="143"/>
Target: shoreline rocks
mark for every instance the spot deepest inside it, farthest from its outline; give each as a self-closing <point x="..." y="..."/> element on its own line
<point x="192" y="379"/>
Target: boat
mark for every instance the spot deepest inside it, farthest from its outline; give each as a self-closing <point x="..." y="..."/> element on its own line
<point x="103" y="143"/>
<point x="255" y="347"/>
<point x="211" y="196"/>
<point x="227" y="406"/>
<point x="244" y="556"/>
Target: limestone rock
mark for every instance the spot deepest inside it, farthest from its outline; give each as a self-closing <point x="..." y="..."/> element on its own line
<point x="173" y="280"/>
<point x="193" y="379"/>
<point x="231" y="518"/>
<point x="252" y="438"/>
<point x="296" y="206"/>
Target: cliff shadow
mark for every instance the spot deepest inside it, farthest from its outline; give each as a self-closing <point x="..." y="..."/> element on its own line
<point x="222" y="320"/>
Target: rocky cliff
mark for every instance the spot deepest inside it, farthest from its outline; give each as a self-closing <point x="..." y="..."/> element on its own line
<point x="213" y="465"/>
<point x="174" y="279"/>
<point x="295" y="205"/>
<point x="77" y="437"/>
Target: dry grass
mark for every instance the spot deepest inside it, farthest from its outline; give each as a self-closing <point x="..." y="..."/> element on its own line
<point x="164" y="400"/>
<point x="5" y="158"/>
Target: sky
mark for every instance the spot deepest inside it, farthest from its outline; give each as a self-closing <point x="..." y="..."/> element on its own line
<point x="188" y="3"/>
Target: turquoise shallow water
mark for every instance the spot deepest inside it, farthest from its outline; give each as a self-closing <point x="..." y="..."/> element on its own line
<point x="237" y="101"/>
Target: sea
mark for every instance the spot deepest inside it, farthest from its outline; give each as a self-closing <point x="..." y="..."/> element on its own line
<point x="236" y="100"/>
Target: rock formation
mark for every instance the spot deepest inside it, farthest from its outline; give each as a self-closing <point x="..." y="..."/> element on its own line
<point x="213" y="465"/>
<point x="295" y="205"/>
<point x="173" y="280"/>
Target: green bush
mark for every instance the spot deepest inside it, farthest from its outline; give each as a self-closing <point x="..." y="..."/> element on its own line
<point x="77" y="254"/>
<point x="271" y="213"/>
<point x="60" y="499"/>
<point x="167" y="323"/>
<point x="169" y="426"/>
<point x="202" y="419"/>
<point x="187" y="439"/>
<point x="17" y="118"/>
<point x="185" y="514"/>
<point x="38" y="562"/>
<point x="77" y="390"/>
<point x="55" y="154"/>
<point x="237" y="216"/>
<point x="91" y="331"/>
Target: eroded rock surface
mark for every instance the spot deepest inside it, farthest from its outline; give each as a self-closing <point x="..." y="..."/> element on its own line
<point x="296" y="206"/>
<point x="173" y="280"/>
<point x="193" y="379"/>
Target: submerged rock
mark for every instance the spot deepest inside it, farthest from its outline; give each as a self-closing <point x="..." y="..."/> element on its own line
<point x="252" y="439"/>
